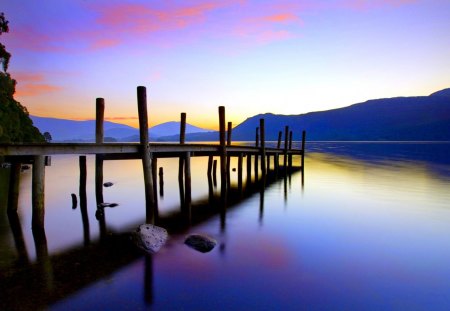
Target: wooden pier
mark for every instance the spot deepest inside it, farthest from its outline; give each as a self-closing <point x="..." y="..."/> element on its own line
<point x="38" y="155"/>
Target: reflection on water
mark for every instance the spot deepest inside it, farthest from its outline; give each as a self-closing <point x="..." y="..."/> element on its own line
<point x="366" y="229"/>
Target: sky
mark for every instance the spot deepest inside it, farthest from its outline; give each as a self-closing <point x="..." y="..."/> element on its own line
<point x="283" y="57"/>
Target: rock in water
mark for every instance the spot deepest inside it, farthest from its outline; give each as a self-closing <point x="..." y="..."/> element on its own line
<point x="150" y="238"/>
<point x="200" y="242"/>
<point x="108" y="184"/>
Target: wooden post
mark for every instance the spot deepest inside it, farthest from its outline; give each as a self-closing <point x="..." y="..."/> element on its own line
<point x="155" y="185"/>
<point x="263" y="146"/>
<point x="257" y="137"/>
<point x="286" y="137"/>
<point x="249" y="168"/>
<point x="99" y="117"/>
<point x="183" y="128"/>
<point x="290" y="148"/>
<point x="228" y="157"/>
<point x="240" y="172"/>
<point x="161" y="182"/>
<point x="13" y="191"/>
<point x="210" y="165"/>
<point x="182" y="141"/>
<point x="187" y="179"/>
<point x="223" y="150"/>
<point x="38" y="196"/>
<point x="229" y="133"/>
<point x="145" y="150"/>
<point x="83" y="200"/>
<point x="99" y="139"/>
<point x="279" y="139"/>
<point x="303" y="149"/>
<point x="215" y="173"/>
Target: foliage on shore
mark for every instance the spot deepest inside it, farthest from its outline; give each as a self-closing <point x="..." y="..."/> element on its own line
<point x="15" y="123"/>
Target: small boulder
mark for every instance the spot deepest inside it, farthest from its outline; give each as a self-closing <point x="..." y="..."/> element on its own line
<point x="200" y="242"/>
<point x="150" y="238"/>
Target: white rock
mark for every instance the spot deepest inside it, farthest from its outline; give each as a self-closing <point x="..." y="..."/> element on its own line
<point x="150" y="237"/>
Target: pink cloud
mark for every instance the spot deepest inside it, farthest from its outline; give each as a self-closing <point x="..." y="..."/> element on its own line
<point x="171" y="23"/>
<point x="33" y="84"/>
<point x="371" y="4"/>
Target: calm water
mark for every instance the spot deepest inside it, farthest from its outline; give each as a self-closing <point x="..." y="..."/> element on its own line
<point x="368" y="228"/>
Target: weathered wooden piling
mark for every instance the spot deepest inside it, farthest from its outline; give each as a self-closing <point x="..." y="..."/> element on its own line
<point x="99" y="118"/>
<point x="13" y="191"/>
<point x="290" y="148"/>
<point x="182" y="141"/>
<point x="256" y="163"/>
<point x="263" y="146"/>
<point x="99" y="139"/>
<point x="38" y="194"/>
<point x="155" y="185"/>
<point x="83" y="200"/>
<point x="215" y="173"/>
<point x="303" y="150"/>
<point x="223" y="150"/>
<point x="187" y="178"/>
<point x="161" y="181"/>
<point x="229" y="130"/>
<point x="280" y="133"/>
<point x="240" y="158"/>
<point x="145" y="153"/>
<point x="286" y="137"/>
<point x="210" y="165"/>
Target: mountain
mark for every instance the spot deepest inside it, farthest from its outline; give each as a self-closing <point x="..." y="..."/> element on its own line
<point x="399" y="118"/>
<point x="169" y="130"/>
<point x="70" y="130"/>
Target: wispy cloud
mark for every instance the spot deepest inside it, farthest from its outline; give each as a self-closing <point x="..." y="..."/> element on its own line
<point x="120" y="118"/>
<point x="170" y="23"/>
<point x="33" y="84"/>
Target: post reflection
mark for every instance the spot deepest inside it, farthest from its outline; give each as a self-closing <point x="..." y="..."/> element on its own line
<point x="63" y="274"/>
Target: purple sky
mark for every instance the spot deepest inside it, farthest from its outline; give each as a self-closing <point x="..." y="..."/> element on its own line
<point x="286" y="57"/>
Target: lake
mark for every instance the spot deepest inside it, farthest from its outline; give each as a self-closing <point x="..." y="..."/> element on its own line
<point x="365" y="227"/>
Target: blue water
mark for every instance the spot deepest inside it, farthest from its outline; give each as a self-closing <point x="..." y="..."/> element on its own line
<point x="368" y="228"/>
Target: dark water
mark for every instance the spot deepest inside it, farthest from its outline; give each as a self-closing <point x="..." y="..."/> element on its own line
<point x="368" y="228"/>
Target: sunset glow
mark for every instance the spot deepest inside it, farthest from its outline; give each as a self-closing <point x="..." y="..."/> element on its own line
<point x="286" y="57"/>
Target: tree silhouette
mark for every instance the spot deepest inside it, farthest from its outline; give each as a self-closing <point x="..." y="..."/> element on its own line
<point x="15" y="123"/>
<point x="47" y="136"/>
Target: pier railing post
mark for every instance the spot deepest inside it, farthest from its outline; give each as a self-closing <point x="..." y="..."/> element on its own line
<point x="145" y="150"/>
<point x="182" y="141"/>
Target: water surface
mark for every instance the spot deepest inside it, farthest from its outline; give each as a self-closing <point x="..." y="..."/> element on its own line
<point x="366" y="227"/>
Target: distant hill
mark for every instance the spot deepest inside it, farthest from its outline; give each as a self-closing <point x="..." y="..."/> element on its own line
<point x="70" y="130"/>
<point x="399" y="118"/>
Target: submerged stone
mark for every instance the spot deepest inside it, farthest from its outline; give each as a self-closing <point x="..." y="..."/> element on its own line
<point x="200" y="242"/>
<point x="150" y="238"/>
